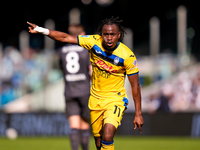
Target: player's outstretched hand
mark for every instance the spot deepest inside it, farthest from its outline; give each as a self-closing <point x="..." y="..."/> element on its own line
<point x="32" y="27"/>
<point x="138" y="122"/>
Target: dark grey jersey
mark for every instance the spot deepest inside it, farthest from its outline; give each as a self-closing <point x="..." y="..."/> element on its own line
<point x="75" y="65"/>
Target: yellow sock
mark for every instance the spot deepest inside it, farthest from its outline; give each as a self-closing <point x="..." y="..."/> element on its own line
<point x="107" y="145"/>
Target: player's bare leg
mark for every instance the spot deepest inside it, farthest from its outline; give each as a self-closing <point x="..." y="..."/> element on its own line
<point x="74" y="122"/>
<point x="106" y="141"/>
<point x="84" y="125"/>
<point x="107" y="137"/>
<point x="108" y="132"/>
<point x="77" y="122"/>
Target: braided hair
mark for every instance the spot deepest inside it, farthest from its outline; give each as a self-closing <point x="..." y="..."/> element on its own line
<point x="111" y="21"/>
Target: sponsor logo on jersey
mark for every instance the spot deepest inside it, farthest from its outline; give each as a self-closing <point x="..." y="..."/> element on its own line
<point x="102" y="73"/>
<point x="102" y="65"/>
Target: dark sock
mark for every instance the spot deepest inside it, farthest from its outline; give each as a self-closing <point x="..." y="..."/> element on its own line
<point x="74" y="138"/>
<point x="85" y="137"/>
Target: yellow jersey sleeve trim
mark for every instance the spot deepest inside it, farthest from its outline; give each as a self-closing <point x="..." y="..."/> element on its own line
<point x="133" y="74"/>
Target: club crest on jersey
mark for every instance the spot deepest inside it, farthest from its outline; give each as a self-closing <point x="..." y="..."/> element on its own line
<point x="116" y="60"/>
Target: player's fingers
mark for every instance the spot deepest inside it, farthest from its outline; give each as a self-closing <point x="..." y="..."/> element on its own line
<point x="140" y="128"/>
<point x="30" y="29"/>
<point x="135" y="126"/>
<point x="31" y="24"/>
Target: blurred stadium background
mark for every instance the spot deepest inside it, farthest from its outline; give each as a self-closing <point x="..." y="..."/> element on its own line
<point x="164" y="36"/>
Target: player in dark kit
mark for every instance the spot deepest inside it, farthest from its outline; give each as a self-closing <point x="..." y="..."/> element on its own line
<point x="76" y="66"/>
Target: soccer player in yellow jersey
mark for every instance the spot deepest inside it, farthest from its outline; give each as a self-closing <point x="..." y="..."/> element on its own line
<point x="111" y="61"/>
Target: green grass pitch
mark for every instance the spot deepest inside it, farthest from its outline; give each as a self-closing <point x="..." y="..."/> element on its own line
<point x="121" y="143"/>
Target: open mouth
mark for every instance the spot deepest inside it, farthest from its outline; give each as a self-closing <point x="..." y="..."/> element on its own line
<point x="109" y="44"/>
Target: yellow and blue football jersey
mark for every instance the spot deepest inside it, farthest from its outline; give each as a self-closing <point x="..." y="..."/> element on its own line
<point x="109" y="67"/>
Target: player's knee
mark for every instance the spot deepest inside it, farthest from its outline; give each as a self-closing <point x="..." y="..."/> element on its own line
<point x="108" y="133"/>
<point x="107" y="137"/>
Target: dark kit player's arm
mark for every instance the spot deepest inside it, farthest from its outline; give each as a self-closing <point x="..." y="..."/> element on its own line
<point x="55" y="35"/>
<point x="138" y="120"/>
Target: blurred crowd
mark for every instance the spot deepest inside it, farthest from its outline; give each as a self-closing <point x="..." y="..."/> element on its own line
<point x="32" y="69"/>
<point x="180" y="95"/>
<point x="25" y="72"/>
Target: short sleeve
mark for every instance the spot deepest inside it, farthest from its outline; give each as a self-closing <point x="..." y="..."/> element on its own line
<point x="86" y="41"/>
<point x="131" y="65"/>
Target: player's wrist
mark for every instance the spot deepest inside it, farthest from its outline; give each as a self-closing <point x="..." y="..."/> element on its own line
<point x="42" y="30"/>
<point x="138" y="113"/>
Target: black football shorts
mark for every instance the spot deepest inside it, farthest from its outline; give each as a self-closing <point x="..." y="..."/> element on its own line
<point x="78" y="106"/>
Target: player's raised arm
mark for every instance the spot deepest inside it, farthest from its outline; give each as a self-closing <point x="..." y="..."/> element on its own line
<point x="55" y="35"/>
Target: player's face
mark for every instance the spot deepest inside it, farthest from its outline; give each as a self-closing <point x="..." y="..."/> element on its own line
<point x="111" y="35"/>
